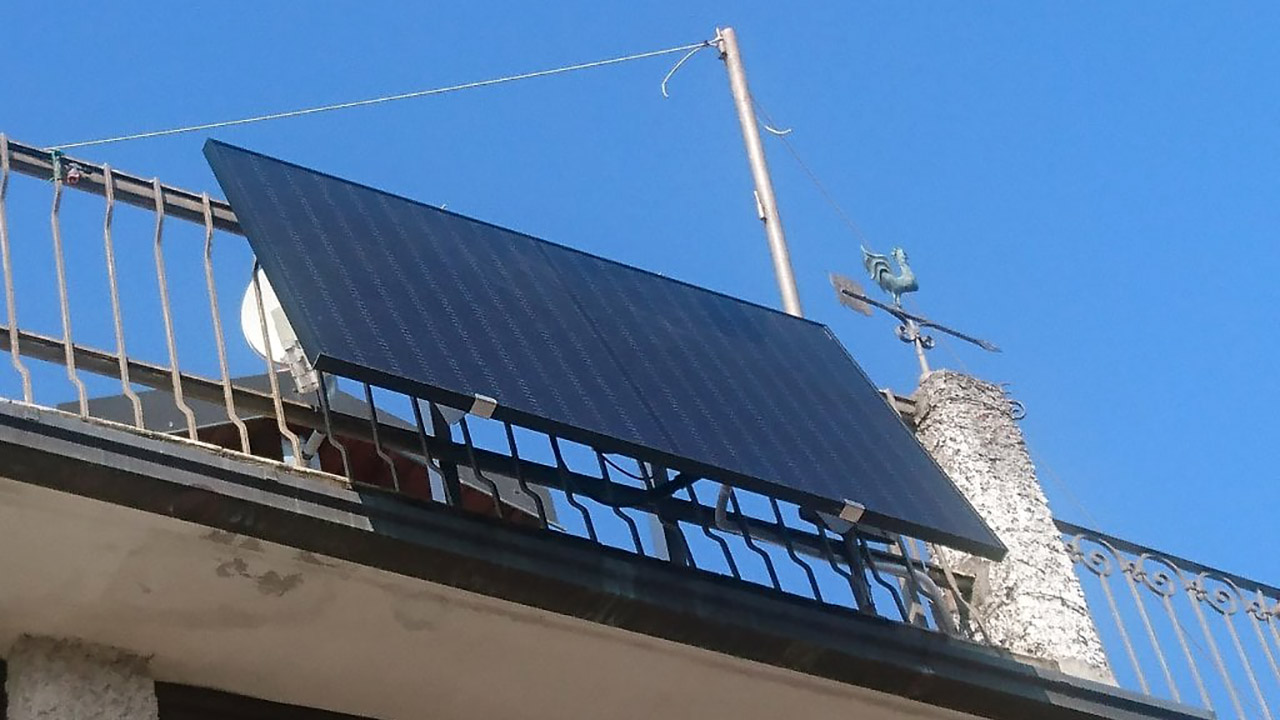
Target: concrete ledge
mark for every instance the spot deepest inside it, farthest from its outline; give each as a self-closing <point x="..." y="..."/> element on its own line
<point x="564" y="575"/>
<point x="72" y="680"/>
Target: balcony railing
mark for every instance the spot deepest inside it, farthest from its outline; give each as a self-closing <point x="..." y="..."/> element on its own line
<point x="93" y="259"/>
<point x="1179" y="630"/>
<point x="118" y="314"/>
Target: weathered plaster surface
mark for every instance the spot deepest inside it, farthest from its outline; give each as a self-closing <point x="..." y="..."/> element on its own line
<point x="57" y="679"/>
<point x="1031" y="602"/>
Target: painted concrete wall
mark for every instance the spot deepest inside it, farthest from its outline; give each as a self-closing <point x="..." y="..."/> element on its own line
<point x="1030" y="603"/>
<point x="56" y="679"/>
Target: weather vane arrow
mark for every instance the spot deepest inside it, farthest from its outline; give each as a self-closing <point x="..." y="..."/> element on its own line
<point x="851" y="295"/>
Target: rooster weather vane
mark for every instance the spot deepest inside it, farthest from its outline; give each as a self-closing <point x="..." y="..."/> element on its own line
<point x="880" y="270"/>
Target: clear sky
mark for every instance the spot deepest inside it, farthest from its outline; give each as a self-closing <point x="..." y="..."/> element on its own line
<point x="1091" y="185"/>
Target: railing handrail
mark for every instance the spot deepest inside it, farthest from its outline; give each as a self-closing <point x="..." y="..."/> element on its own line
<point x="131" y="189"/>
<point x="1127" y="546"/>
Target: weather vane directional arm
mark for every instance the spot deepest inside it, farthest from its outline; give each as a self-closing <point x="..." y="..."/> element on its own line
<point x="879" y="268"/>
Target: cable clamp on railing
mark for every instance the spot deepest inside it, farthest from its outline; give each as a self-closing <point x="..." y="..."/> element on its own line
<point x="68" y="172"/>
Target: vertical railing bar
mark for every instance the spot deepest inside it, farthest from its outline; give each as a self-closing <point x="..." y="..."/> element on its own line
<point x="1244" y="657"/>
<point x="784" y="532"/>
<point x="969" y="617"/>
<point x="1104" y="578"/>
<point x="1196" y="591"/>
<point x="1272" y="622"/>
<point x="272" y="380"/>
<point x="1262" y="639"/>
<point x="875" y="573"/>
<point x="1132" y="572"/>
<point x="448" y="468"/>
<point x="63" y="301"/>
<point x="630" y="523"/>
<point x="166" y="311"/>
<point x="15" y="352"/>
<point x="857" y="574"/>
<point x="322" y="395"/>
<point x="746" y="537"/>
<point x="682" y="555"/>
<point x="117" y="316"/>
<point x="496" y="494"/>
<point x="824" y="542"/>
<point x="1172" y="612"/>
<point x="421" y="428"/>
<point x="377" y="441"/>
<point x="519" y="475"/>
<point x="724" y="545"/>
<point x="911" y="584"/>
<point x="219" y="339"/>
<point x="562" y="469"/>
<point x="943" y="616"/>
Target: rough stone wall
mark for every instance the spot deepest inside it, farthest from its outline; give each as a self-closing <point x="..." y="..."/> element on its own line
<point x="1030" y="603"/>
<point x="55" y="679"/>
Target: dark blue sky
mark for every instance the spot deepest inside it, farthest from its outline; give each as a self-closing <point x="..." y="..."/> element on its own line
<point x="1091" y="185"/>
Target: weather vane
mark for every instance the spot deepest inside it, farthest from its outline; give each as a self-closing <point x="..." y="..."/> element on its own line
<point x="880" y="269"/>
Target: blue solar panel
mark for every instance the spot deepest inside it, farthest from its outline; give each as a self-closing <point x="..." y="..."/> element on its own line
<point x="400" y="294"/>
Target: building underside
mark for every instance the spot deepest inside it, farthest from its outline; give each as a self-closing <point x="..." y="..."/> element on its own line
<point x="278" y="584"/>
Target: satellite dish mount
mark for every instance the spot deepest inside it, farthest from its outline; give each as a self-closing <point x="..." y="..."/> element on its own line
<point x="279" y="343"/>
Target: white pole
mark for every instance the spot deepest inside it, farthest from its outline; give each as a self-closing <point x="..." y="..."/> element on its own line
<point x="765" y="200"/>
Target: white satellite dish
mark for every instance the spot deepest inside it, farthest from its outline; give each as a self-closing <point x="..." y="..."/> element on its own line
<point x="279" y="334"/>
<point x="280" y="344"/>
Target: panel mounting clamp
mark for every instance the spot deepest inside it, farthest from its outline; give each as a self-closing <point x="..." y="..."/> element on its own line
<point x="852" y="511"/>
<point x="483" y="406"/>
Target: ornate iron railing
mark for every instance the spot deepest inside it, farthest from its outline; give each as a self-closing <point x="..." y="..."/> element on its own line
<point x="1177" y="629"/>
<point x="104" y="267"/>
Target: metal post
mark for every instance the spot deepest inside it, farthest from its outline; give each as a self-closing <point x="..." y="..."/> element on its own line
<point x="766" y="203"/>
<point x="918" y="342"/>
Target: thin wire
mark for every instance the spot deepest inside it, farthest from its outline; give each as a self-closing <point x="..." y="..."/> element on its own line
<point x="813" y="177"/>
<point x="621" y="469"/>
<point x="830" y="199"/>
<point x="1039" y="460"/>
<point x="941" y="338"/>
<point x="667" y="78"/>
<point x="384" y="99"/>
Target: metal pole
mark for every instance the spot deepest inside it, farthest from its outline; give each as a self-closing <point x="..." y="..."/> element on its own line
<point x="766" y="203"/>
<point x="914" y="330"/>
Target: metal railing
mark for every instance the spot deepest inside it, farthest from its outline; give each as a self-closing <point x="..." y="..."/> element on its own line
<point x="102" y="267"/>
<point x="1180" y="630"/>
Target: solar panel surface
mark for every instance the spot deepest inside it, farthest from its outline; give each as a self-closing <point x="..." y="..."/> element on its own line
<point x="400" y="294"/>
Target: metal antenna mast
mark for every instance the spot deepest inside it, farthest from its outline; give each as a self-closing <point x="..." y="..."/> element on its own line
<point x="766" y="204"/>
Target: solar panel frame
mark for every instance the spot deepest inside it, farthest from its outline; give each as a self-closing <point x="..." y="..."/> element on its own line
<point x="527" y="256"/>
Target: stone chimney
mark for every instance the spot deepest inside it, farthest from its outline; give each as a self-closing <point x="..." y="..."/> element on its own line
<point x="1030" y="603"/>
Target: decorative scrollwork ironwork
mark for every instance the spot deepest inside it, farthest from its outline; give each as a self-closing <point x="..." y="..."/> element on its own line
<point x="1224" y="598"/>
<point x="1158" y="580"/>
<point x="1073" y="549"/>
<point x="1274" y="611"/>
<point x="1257" y="609"/>
<point x="1196" y="590"/>
<point x="1220" y="642"/>
<point x="1099" y="560"/>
